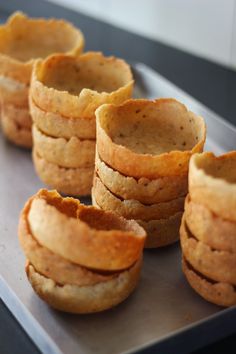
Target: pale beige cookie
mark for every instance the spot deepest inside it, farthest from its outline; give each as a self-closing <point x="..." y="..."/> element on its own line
<point x="17" y="134"/>
<point x="210" y="228"/>
<point x="20" y="116"/>
<point x="133" y="209"/>
<point x="52" y="265"/>
<point x="60" y="126"/>
<point x="217" y="265"/>
<point x="222" y="294"/>
<point x="212" y="182"/>
<point x="151" y="139"/>
<point x="76" y="86"/>
<point x="71" y="153"/>
<point x="85" y="299"/>
<point x="71" y="181"/>
<point x="142" y="189"/>
<point x="83" y="234"/>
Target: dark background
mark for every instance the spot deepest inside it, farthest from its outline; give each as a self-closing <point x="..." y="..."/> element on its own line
<point x="211" y="84"/>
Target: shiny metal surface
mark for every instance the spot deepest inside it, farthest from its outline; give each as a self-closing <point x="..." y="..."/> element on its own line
<point x="162" y="308"/>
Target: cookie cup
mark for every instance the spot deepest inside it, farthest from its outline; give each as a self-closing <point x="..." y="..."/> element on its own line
<point x="151" y="139"/>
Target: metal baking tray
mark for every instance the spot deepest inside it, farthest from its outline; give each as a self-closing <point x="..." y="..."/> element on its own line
<point x="164" y="313"/>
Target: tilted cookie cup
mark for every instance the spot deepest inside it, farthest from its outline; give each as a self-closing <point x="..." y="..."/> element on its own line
<point x="209" y="228"/>
<point x="222" y="294"/>
<point x="67" y="286"/>
<point x="71" y="153"/>
<point x="58" y="126"/>
<point x="85" y="299"/>
<point x="24" y="39"/>
<point x="85" y="235"/>
<point x="217" y="265"/>
<point x="212" y="182"/>
<point x="70" y="181"/>
<point x="151" y="139"/>
<point x="132" y="209"/>
<point x="144" y="190"/>
<point x="52" y="265"/>
<point x="76" y="86"/>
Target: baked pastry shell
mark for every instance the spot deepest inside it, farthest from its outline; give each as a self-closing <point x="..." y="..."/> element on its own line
<point x="133" y="209"/>
<point x="71" y="153"/>
<point x="217" y="265"/>
<point x="18" y="55"/>
<point x="13" y="122"/>
<point x="85" y="299"/>
<point x="212" y="183"/>
<point x="18" y="115"/>
<point x="85" y="235"/>
<point x="69" y="181"/>
<point x="118" y="147"/>
<point x="82" y="103"/>
<point x="222" y="294"/>
<point x="144" y="190"/>
<point x="59" y="126"/>
<point x="209" y="228"/>
<point x="50" y="264"/>
<point x="160" y="232"/>
<point x="13" y="92"/>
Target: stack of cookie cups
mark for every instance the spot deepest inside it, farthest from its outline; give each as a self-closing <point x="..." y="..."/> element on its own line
<point x="22" y="40"/>
<point x="208" y="230"/>
<point x="65" y="92"/>
<point x="79" y="259"/>
<point x="141" y="169"/>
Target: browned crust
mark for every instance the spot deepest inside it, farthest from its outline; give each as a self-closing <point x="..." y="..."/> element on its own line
<point x="143" y="189"/>
<point x="16" y="133"/>
<point x="70" y="181"/>
<point x="222" y="294"/>
<point x="210" y="228"/>
<point x="60" y="126"/>
<point x="71" y="153"/>
<point x="132" y="209"/>
<point x="50" y="264"/>
<point x="216" y="193"/>
<point x="85" y="299"/>
<point x="85" y="235"/>
<point x="132" y="164"/>
<point x="217" y="265"/>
